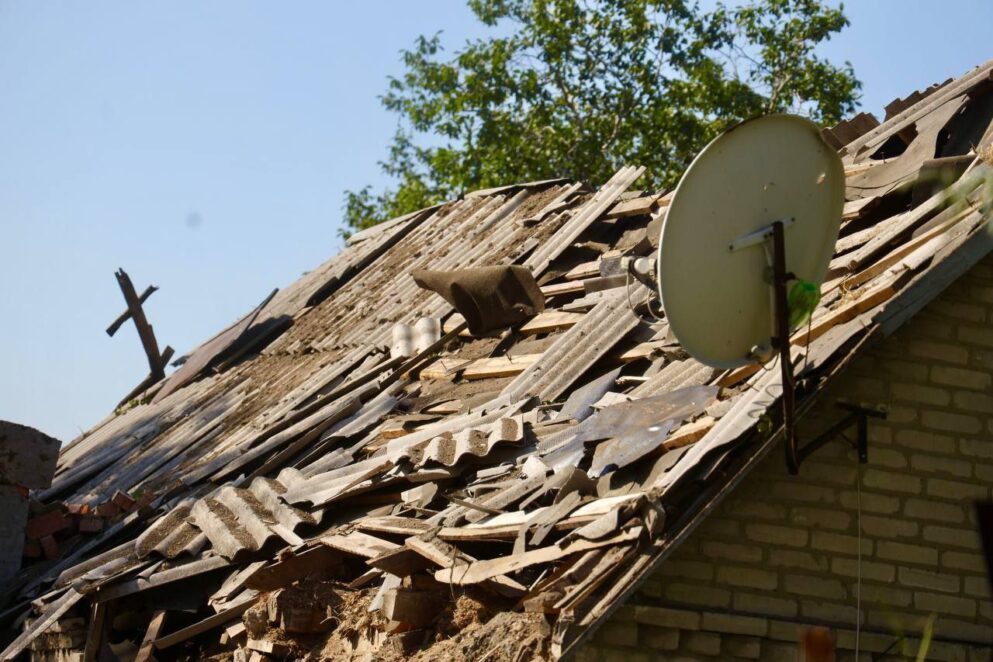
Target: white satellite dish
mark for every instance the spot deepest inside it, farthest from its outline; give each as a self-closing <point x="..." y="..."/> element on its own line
<point x="758" y="210"/>
<point x="716" y="249"/>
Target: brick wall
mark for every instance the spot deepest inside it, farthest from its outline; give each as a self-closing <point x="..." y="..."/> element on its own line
<point x="782" y="551"/>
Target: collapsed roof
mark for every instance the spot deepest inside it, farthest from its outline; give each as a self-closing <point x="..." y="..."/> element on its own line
<point x="538" y="470"/>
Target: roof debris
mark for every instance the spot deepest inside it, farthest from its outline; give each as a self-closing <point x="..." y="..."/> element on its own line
<point x="496" y="485"/>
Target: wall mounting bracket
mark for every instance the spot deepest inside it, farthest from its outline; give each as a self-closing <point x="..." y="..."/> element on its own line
<point x="857" y="415"/>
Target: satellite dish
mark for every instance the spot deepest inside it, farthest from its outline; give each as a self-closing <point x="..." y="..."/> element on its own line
<point x="757" y="212"/>
<point x="717" y="243"/>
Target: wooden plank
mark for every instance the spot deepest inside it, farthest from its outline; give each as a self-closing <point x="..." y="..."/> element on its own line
<point x="404" y="424"/>
<point x="550" y="321"/>
<point x="234" y="583"/>
<point x="643" y="350"/>
<point x="442" y="554"/>
<point x="238" y="608"/>
<point x="953" y="260"/>
<point x="473" y="573"/>
<point x="445" y="408"/>
<point x="584" y="586"/>
<point x="292" y="567"/>
<point x="475" y="506"/>
<point x="830" y="285"/>
<point x="543" y="523"/>
<point x="629" y="570"/>
<point x="871" y="298"/>
<point x="856" y="168"/>
<point x="867" y="299"/>
<point x="689" y="433"/>
<point x="443" y="368"/>
<point x="902" y="251"/>
<point x="404" y="526"/>
<point x="95" y="634"/>
<point x="583" y="270"/>
<point x="547" y="591"/>
<point x="365" y="578"/>
<point x="571" y="287"/>
<point x="401" y="562"/>
<point x="633" y="207"/>
<point x="499" y="366"/>
<point x="145" y="332"/>
<point x="359" y="544"/>
<point x="235" y="630"/>
<point x="126" y="315"/>
<point x="507" y="496"/>
<point x="55" y="610"/>
<point x="507" y="525"/>
<point x="453" y="322"/>
<point x="737" y="375"/>
<point x="434" y="550"/>
<point x="855" y="208"/>
<point x="855" y="239"/>
<point x="907" y="221"/>
<point x="151" y="634"/>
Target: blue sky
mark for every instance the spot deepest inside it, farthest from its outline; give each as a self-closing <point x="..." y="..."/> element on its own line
<point x="205" y="148"/>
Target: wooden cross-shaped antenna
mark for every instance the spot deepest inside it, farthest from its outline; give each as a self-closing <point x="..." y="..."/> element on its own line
<point x="156" y="362"/>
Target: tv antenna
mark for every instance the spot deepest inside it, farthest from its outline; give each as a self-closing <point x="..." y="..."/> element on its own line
<point x="752" y="224"/>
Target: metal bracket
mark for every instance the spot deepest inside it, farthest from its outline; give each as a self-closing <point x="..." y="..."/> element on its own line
<point x="857" y="415"/>
<point x="760" y="236"/>
<point x="781" y="342"/>
<point x="779" y="277"/>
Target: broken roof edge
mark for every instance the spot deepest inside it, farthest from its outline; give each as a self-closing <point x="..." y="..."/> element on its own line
<point x="893" y="314"/>
<point x="378" y="228"/>
<point x="915" y="111"/>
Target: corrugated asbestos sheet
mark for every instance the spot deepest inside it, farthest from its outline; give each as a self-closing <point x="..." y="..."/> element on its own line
<point x="576" y="350"/>
<point x="303" y="466"/>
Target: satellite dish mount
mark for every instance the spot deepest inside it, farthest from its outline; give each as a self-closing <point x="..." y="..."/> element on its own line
<point x="774" y="234"/>
<point x="724" y="266"/>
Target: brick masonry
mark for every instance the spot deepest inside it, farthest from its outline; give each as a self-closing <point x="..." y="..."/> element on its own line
<point x="782" y="551"/>
<point x="13" y="517"/>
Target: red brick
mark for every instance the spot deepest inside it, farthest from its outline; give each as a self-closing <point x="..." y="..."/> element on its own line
<point x="90" y="524"/>
<point x="49" y="547"/>
<point x="45" y="525"/>
<point x="108" y="509"/>
<point x="125" y="502"/>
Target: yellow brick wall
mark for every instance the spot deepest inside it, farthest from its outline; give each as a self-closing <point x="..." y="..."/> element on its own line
<point x="781" y="551"/>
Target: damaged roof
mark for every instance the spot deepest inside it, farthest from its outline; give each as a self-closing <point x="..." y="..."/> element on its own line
<point x="333" y="438"/>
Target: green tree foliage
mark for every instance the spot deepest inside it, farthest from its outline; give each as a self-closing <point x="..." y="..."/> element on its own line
<point x="578" y="88"/>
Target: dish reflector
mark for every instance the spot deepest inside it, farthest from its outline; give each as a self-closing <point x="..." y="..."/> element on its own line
<point x="713" y="269"/>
